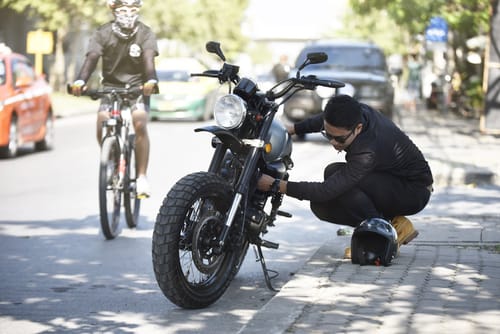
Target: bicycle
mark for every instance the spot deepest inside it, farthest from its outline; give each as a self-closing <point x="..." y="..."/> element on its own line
<point x="117" y="168"/>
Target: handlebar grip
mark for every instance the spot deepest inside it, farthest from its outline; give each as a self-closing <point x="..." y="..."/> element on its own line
<point x="314" y="82"/>
<point x="209" y="74"/>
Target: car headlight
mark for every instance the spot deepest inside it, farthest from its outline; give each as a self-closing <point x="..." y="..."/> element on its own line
<point x="229" y="111"/>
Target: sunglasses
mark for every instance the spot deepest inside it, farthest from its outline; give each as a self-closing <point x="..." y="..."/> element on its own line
<point x="338" y="139"/>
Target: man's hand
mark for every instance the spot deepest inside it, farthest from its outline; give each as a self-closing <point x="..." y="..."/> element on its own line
<point x="150" y="87"/>
<point x="265" y="182"/>
<point x="290" y="128"/>
<point x="78" y="87"/>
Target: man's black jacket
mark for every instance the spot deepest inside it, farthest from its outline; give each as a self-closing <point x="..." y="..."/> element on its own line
<point x="380" y="147"/>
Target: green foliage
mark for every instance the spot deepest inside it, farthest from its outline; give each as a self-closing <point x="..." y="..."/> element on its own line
<point x="193" y="22"/>
<point x="189" y="22"/>
<point x="377" y="27"/>
<point x="56" y="14"/>
<point x="465" y="18"/>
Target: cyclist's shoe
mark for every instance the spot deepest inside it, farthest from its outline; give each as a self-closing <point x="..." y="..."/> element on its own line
<point x="404" y="228"/>
<point x="142" y="187"/>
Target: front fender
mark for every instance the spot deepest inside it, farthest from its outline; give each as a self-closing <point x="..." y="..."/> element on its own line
<point x="226" y="137"/>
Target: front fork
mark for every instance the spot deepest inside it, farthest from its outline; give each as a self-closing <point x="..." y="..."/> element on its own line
<point x="240" y="192"/>
<point x="109" y="129"/>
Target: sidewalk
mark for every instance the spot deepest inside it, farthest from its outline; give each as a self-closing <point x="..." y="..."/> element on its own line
<point x="445" y="281"/>
<point x="66" y="105"/>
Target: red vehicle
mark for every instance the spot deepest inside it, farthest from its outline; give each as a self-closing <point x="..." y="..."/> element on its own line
<point x="25" y="106"/>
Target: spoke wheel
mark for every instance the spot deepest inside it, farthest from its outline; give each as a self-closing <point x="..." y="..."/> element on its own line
<point x="110" y="189"/>
<point x="131" y="203"/>
<point x="190" y="268"/>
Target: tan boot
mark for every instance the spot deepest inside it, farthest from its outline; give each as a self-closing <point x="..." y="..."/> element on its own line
<point x="404" y="228"/>
<point x="347" y="253"/>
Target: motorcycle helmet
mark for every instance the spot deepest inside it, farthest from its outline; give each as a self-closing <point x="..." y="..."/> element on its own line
<point x="125" y="12"/>
<point x="374" y="242"/>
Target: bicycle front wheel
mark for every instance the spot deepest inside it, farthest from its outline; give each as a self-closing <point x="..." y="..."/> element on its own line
<point x="131" y="203"/>
<point x="110" y="190"/>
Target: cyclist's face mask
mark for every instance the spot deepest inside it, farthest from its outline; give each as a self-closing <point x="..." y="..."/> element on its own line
<point x="126" y="16"/>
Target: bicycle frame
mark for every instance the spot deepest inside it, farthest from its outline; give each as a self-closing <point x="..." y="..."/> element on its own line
<point x="118" y="124"/>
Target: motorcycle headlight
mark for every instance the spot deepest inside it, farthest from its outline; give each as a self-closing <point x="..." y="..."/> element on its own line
<point x="229" y="111"/>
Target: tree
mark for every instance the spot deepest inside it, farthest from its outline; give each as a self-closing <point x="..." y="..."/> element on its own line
<point x="63" y="17"/>
<point x="197" y="21"/>
<point x="377" y="27"/>
<point x="191" y="21"/>
<point x="466" y="19"/>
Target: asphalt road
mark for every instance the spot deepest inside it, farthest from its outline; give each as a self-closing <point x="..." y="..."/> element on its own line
<point x="59" y="274"/>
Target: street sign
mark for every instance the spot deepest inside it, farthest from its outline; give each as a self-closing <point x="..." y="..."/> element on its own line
<point x="39" y="41"/>
<point x="437" y="30"/>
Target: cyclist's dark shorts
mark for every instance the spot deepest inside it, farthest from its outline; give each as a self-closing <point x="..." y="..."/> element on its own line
<point x="139" y="103"/>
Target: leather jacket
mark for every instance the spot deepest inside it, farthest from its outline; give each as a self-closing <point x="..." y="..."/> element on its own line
<point x="380" y="147"/>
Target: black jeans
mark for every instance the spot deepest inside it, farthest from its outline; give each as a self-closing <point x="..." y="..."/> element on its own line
<point x="378" y="195"/>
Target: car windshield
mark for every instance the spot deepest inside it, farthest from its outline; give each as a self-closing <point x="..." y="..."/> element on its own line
<point x="348" y="58"/>
<point x="173" y="75"/>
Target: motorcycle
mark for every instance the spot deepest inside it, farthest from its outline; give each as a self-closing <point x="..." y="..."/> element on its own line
<point x="208" y="220"/>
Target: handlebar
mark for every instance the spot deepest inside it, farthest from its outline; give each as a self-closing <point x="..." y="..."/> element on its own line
<point x="311" y="82"/>
<point x="94" y="94"/>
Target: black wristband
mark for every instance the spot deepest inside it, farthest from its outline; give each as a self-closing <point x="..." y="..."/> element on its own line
<point x="275" y="187"/>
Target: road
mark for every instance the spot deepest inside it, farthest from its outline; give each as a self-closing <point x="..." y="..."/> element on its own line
<point x="59" y="274"/>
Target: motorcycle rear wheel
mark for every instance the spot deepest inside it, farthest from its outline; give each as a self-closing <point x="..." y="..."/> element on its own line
<point x="189" y="269"/>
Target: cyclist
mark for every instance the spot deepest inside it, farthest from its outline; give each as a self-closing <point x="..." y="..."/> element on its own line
<point x="127" y="48"/>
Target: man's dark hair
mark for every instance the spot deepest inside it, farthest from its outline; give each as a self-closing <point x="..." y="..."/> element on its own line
<point x="343" y="111"/>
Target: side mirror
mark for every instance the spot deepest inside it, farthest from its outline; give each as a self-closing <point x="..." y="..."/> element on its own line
<point x="317" y="57"/>
<point x="214" y="47"/>
<point x="313" y="58"/>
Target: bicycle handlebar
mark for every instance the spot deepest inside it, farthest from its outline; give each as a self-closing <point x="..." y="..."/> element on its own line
<point x="94" y="94"/>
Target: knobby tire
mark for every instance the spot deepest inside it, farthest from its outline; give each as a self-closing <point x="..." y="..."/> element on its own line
<point x="180" y="242"/>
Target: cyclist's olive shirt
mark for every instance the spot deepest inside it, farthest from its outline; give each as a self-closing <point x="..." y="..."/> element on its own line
<point x="122" y="59"/>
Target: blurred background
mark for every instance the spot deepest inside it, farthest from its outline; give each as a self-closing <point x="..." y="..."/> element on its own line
<point x="449" y="38"/>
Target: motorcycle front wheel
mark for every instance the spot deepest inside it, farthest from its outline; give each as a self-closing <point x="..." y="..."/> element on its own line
<point x="190" y="269"/>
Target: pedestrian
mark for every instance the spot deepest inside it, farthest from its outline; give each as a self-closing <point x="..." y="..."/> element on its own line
<point x="414" y="81"/>
<point x="281" y="69"/>
<point x="384" y="174"/>
<point x="127" y="48"/>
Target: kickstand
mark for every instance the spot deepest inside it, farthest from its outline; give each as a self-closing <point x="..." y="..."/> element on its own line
<point x="260" y="258"/>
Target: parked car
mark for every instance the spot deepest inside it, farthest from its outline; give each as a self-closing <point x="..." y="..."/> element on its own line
<point x="26" y="114"/>
<point x="361" y="65"/>
<point x="183" y="97"/>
